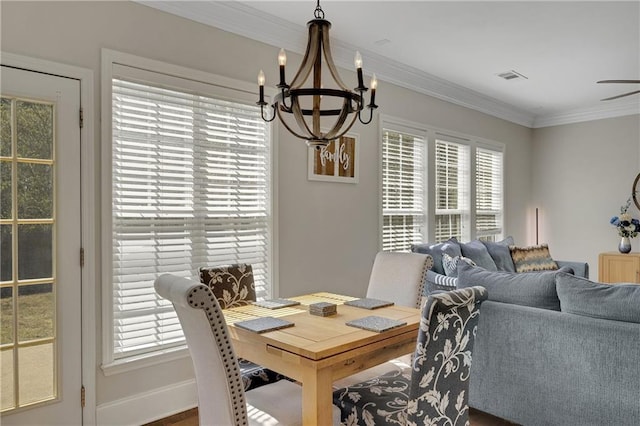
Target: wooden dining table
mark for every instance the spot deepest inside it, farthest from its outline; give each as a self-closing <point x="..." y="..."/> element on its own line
<point x="318" y="350"/>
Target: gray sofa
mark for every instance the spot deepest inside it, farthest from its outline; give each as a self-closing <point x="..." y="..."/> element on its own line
<point x="536" y="366"/>
<point x="538" y="362"/>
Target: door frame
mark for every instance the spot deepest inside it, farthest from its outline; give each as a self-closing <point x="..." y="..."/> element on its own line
<point x="88" y="226"/>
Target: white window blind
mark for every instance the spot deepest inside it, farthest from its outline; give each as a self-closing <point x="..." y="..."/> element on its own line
<point x="452" y="190"/>
<point x="403" y="186"/>
<point x="191" y="187"/>
<point x="489" y="210"/>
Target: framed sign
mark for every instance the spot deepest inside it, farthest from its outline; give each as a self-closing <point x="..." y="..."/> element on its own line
<point x="336" y="162"/>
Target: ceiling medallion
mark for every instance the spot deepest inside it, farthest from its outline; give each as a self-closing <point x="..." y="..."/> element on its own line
<point x="300" y="109"/>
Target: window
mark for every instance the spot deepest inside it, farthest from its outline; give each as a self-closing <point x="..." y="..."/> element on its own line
<point x="191" y="187"/>
<point x="488" y="194"/>
<point x="403" y="185"/>
<point x="454" y="191"/>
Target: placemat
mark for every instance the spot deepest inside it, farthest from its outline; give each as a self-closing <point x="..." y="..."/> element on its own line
<point x="276" y="303"/>
<point x="375" y="323"/>
<point x="264" y="324"/>
<point x="368" y="303"/>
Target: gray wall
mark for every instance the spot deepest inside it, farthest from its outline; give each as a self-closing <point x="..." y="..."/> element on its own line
<point x="582" y="174"/>
<point x="328" y="232"/>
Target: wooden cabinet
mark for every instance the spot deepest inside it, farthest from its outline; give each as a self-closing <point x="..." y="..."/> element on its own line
<point x="614" y="267"/>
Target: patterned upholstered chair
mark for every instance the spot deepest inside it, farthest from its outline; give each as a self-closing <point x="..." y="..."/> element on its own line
<point x="435" y="391"/>
<point x="221" y="396"/>
<point x="233" y="285"/>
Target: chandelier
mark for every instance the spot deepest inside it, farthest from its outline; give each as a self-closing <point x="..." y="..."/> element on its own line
<point x="300" y="109"/>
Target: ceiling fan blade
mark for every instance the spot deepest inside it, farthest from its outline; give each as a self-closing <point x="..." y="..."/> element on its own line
<point x="621" y="96"/>
<point x="618" y="81"/>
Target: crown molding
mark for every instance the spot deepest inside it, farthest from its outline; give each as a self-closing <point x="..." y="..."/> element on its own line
<point x="238" y="18"/>
<point x="616" y="109"/>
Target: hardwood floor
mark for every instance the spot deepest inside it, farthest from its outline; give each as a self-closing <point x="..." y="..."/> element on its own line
<point x="190" y="418"/>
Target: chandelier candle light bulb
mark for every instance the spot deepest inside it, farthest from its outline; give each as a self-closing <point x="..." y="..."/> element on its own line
<point x="261" y="80"/>
<point x="282" y="61"/>
<point x="374" y="86"/>
<point x="358" y="63"/>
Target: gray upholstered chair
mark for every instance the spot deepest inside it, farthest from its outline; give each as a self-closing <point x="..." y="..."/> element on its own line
<point x="435" y="391"/>
<point x="398" y="278"/>
<point x="221" y="396"/>
<point x="233" y="285"/>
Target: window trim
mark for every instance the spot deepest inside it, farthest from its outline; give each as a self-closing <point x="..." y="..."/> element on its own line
<point x="430" y="134"/>
<point x="109" y="59"/>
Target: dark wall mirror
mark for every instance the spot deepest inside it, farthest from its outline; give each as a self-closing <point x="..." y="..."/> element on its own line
<point x="636" y="191"/>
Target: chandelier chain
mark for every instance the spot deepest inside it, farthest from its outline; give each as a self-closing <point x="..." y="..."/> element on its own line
<point x="318" y="13"/>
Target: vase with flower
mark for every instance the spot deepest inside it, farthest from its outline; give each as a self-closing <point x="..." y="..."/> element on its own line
<point x="627" y="227"/>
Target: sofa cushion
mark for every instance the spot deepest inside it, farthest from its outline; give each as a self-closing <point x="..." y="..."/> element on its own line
<point x="620" y="302"/>
<point x="533" y="258"/>
<point x="477" y="252"/>
<point x="435" y="250"/>
<point x="535" y="289"/>
<point x="500" y="253"/>
<point x="450" y="264"/>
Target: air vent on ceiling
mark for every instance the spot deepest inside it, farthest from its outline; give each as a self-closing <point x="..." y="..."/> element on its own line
<point x="512" y="75"/>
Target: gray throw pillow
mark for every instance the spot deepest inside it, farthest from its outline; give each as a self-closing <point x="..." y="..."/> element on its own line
<point x="477" y="252"/>
<point x="536" y="289"/>
<point x="435" y="250"/>
<point x="620" y="302"/>
<point x="499" y="252"/>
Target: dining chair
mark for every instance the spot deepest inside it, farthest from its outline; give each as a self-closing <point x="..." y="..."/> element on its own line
<point x="221" y="396"/>
<point x="233" y="285"/>
<point x="398" y="278"/>
<point x="435" y="391"/>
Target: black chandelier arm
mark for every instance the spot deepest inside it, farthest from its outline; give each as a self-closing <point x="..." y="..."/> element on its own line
<point x="282" y="97"/>
<point x="371" y="107"/>
<point x="262" y="105"/>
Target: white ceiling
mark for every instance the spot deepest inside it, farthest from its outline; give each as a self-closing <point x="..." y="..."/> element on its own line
<point x="454" y="50"/>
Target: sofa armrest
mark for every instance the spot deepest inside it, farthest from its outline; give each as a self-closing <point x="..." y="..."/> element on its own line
<point x="580" y="269"/>
<point x="435" y="281"/>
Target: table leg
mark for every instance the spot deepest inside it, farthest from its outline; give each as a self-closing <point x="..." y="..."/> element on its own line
<point x="317" y="398"/>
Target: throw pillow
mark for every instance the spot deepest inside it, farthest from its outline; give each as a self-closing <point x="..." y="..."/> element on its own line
<point x="619" y="302"/>
<point x="477" y="252"/>
<point x="499" y="252"/>
<point x="534" y="258"/>
<point x="450" y="264"/>
<point x="536" y="289"/>
<point x="435" y="250"/>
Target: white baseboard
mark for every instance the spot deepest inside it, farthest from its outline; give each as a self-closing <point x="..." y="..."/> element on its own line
<point x="148" y="406"/>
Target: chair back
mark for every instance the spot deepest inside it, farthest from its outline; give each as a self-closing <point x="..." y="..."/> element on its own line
<point x="232" y="285"/>
<point x="399" y="277"/>
<point x="439" y="391"/>
<point x="221" y="398"/>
